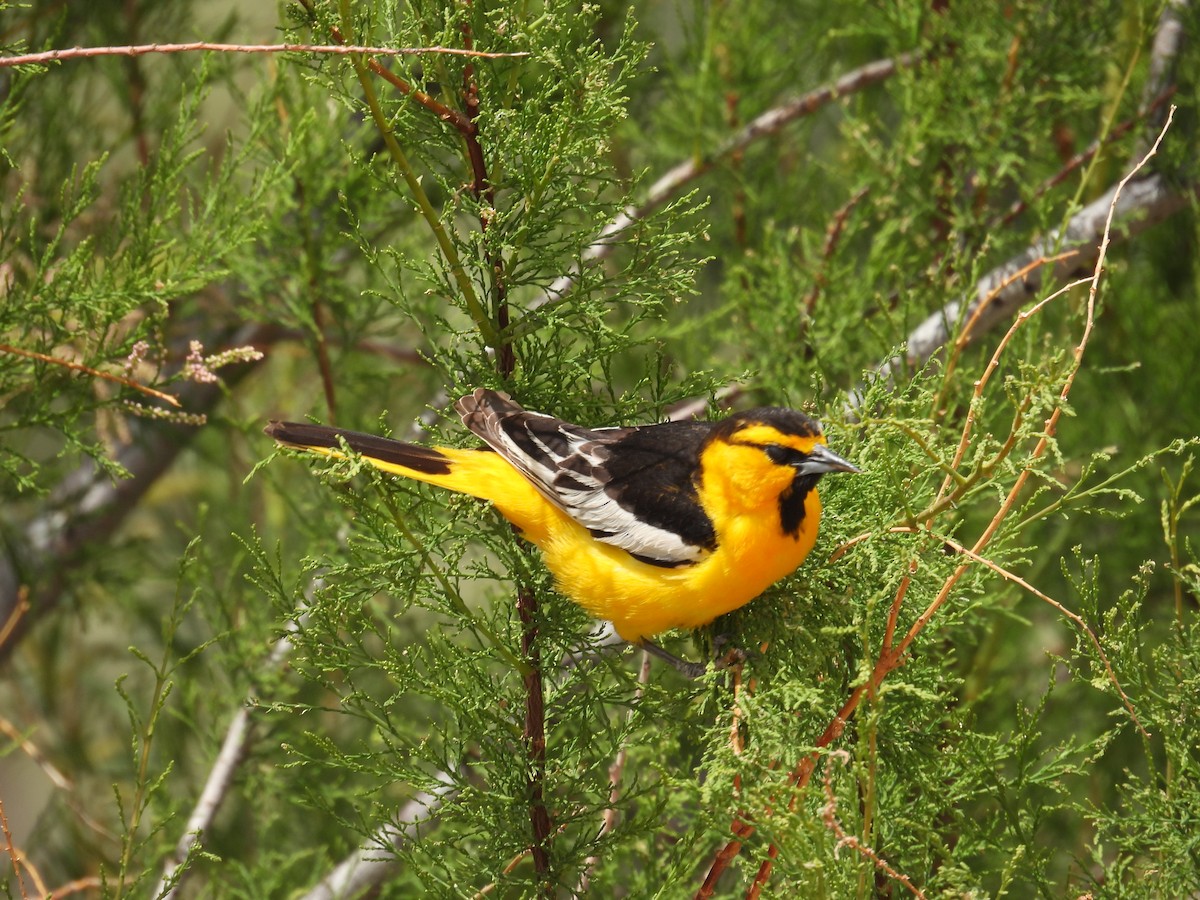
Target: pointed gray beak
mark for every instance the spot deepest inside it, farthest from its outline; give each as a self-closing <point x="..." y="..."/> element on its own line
<point x="821" y="460"/>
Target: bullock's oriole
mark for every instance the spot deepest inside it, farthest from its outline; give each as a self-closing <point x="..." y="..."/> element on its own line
<point x="650" y="527"/>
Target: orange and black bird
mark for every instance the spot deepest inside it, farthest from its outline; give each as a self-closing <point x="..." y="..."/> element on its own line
<point x="650" y="527"/>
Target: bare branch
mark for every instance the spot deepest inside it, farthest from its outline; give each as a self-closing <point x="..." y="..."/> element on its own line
<point x="892" y="657"/>
<point x="829" y="817"/>
<point x="372" y="862"/>
<point x="1164" y="57"/>
<point x="769" y="123"/>
<point x="220" y="777"/>
<point x="88" y="370"/>
<point x="534" y="737"/>
<point x="50" y="56"/>
<point x="998" y="295"/>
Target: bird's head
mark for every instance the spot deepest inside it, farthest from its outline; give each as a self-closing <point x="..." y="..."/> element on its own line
<point x="786" y="437"/>
<point x="766" y="457"/>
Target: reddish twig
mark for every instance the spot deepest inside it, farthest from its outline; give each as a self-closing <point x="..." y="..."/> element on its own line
<point x="91" y="883"/>
<point x="90" y="505"/>
<point x="1084" y="156"/>
<point x="16" y="857"/>
<point x="1145" y="203"/>
<point x="741" y="830"/>
<point x="1051" y="425"/>
<point x="68" y="53"/>
<point x="508" y="868"/>
<point x="460" y="122"/>
<point x="51" y="771"/>
<point x="829" y="817"/>
<point x="1073" y="616"/>
<point x="485" y="194"/>
<point x="88" y="370"/>
<point x="135" y="82"/>
<point x="480" y="185"/>
<point x="13" y="618"/>
<point x="981" y="382"/>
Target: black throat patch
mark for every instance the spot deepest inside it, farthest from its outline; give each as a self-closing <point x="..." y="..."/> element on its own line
<point x="791" y="503"/>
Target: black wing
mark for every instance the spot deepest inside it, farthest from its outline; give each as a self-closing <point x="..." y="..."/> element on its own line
<point x="633" y="488"/>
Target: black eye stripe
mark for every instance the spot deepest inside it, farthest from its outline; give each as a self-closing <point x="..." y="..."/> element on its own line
<point x="784" y="456"/>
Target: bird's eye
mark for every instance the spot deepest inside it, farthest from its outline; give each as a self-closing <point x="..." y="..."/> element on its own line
<point x="783" y="456"/>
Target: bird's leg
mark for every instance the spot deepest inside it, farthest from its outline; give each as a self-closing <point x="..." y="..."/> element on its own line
<point x="691" y="669"/>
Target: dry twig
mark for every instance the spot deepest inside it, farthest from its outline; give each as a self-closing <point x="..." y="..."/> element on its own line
<point x="68" y="53"/>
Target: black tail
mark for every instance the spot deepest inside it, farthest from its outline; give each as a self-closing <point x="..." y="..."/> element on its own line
<point x="304" y="436"/>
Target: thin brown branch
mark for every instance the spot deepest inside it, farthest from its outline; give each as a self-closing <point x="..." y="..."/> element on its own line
<point x="17" y="858"/>
<point x="88" y="370"/>
<point x="485" y="195"/>
<point x="889" y="634"/>
<point x="60" y="781"/>
<point x="1051" y="425"/>
<point x="1073" y="616"/>
<point x="51" y="771"/>
<point x="91" y="883"/>
<point x="1024" y="585"/>
<point x="510" y="867"/>
<point x="481" y="187"/>
<point x="443" y="112"/>
<point x="829" y="817"/>
<point x="833" y="235"/>
<point x="88" y="507"/>
<point x="68" y="53"/>
<point x="971" y="324"/>
<point x="763" y="875"/>
<point x="981" y="383"/>
<point x="13" y="615"/>
<point x="1086" y="155"/>
<point x="439" y="109"/>
<point x="535" y="738"/>
<point x="741" y="830"/>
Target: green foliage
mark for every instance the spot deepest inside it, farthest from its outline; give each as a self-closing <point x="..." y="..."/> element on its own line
<point x="983" y="682"/>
